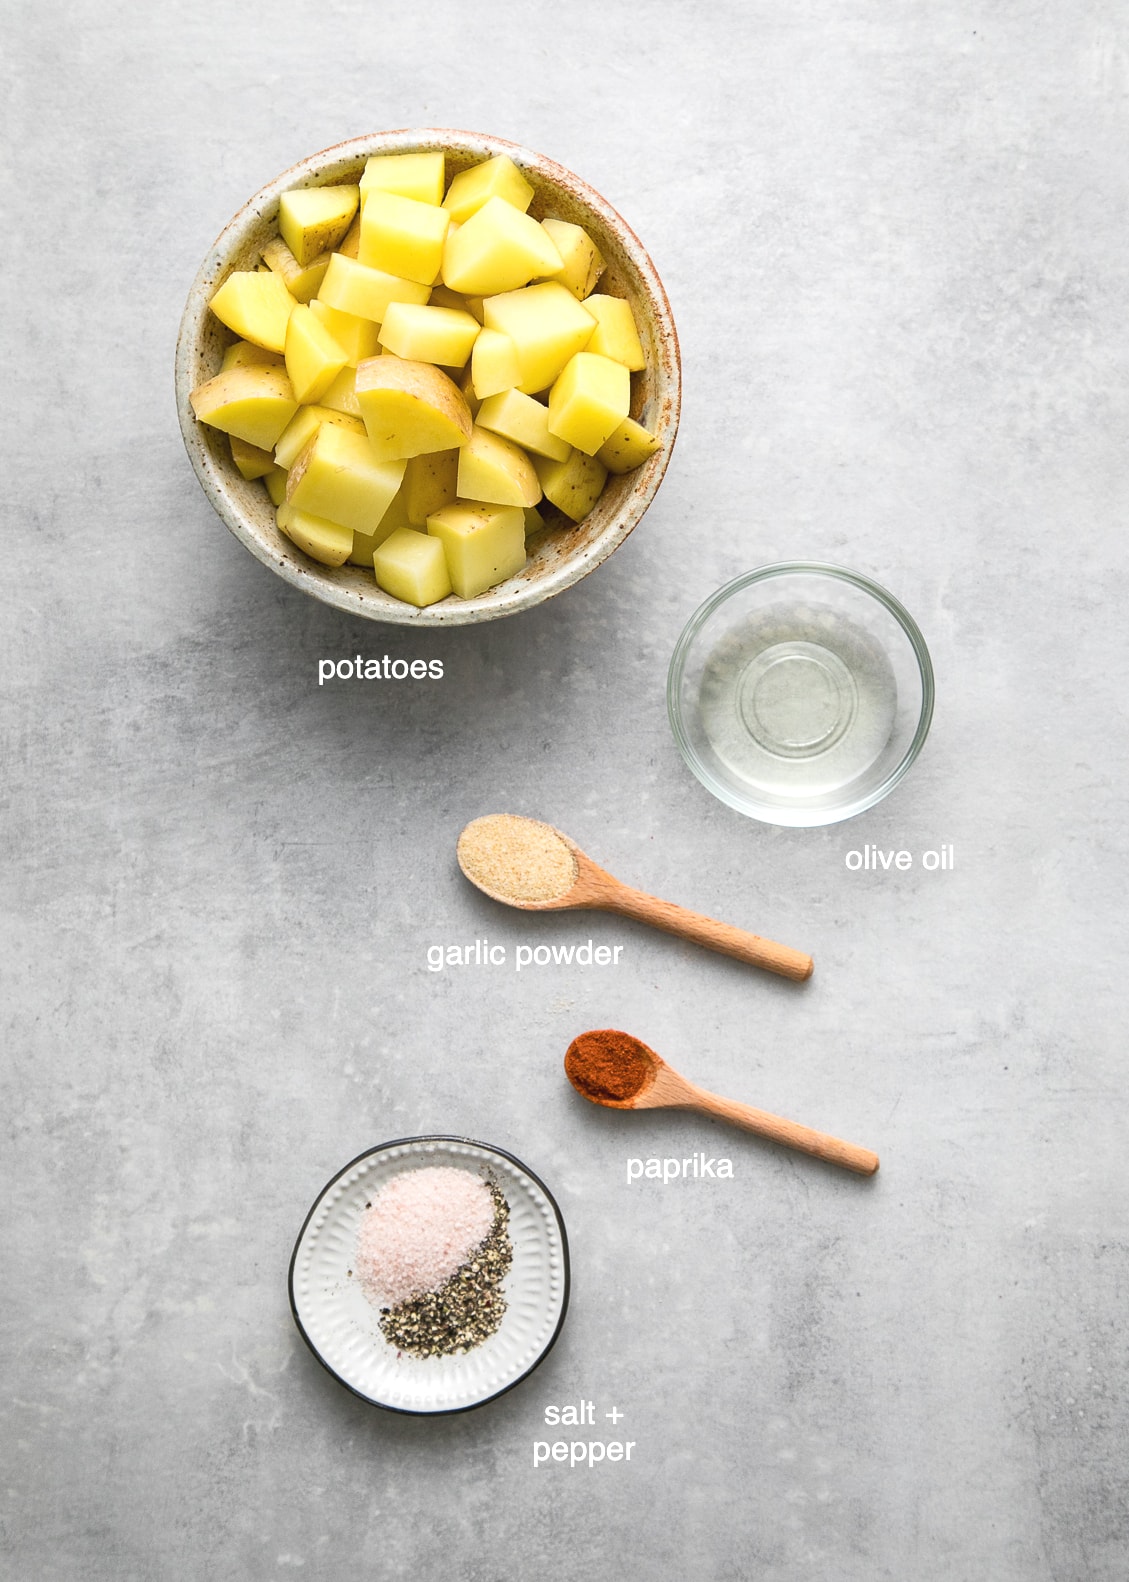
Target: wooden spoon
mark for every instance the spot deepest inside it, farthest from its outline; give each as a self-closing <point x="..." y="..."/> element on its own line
<point x="623" y="1073"/>
<point x="522" y="862"/>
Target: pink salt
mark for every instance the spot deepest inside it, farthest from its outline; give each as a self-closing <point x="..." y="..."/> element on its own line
<point x="420" y="1228"/>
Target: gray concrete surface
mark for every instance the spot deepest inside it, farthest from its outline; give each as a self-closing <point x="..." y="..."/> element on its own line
<point x="894" y="239"/>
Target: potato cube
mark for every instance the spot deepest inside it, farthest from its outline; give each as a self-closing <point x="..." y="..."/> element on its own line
<point x="403" y="237"/>
<point x="429" y="334"/>
<point x="466" y="385"/>
<point x="534" y="521"/>
<point x="254" y="402"/>
<point x="352" y="287"/>
<point x="240" y="353"/>
<point x="589" y="401"/>
<point x="496" y="470"/>
<point x="350" y="243"/>
<point x="524" y="420"/>
<point x="628" y="447"/>
<point x="250" y="461"/>
<point x="275" y="481"/>
<point x="327" y="542"/>
<point x="498" y="177"/>
<point x="420" y="176"/>
<point x="430" y="483"/>
<point x="615" y="334"/>
<point x="410" y="408"/>
<point x="573" y="486"/>
<point x="304" y="425"/>
<point x="413" y="567"/>
<point x="256" y="305"/>
<point x="581" y="263"/>
<point x="493" y="365"/>
<point x="395" y="518"/>
<point x="546" y="324"/>
<point x="442" y="297"/>
<point x="301" y="282"/>
<point x="498" y="249"/>
<point x="342" y="394"/>
<point x="337" y="477"/>
<point x="484" y="544"/>
<point x="312" y="220"/>
<point x="313" y="357"/>
<point x="357" y="338"/>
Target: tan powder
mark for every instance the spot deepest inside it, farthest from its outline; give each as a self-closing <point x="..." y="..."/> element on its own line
<point x="516" y="859"/>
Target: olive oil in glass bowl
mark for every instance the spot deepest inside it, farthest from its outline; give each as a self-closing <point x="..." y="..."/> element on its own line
<point x="800" y="693"/>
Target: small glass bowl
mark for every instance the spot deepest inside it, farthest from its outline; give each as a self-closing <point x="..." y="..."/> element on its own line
<point x="800" y="693"/>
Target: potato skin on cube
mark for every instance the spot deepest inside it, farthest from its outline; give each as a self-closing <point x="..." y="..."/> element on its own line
<point x="589" y="401"/>
<point x="337" y="477"/>
<point x="484" y="544"/>
<point x="581" y="262"/>
<point x="256" y="305"/>
<point x="254" y="402"/>
<point x="615" y="334"/>
<point x="302" y="282"/>
<point x="573" y="486"/>
<point x="412" y="566"/>
<point x="240" y="353"/>
<point x="312" y="220"/>
<point x="327" y="542"/>
<point x="430" y="483"/>
<point x="629" y="447"/>
<point x="250" y="461"/>
<point x="410" y="408"/>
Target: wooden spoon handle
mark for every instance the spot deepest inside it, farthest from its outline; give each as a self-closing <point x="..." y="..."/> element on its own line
<point x="722" y="937"/>
<point x="790" y="1133"/>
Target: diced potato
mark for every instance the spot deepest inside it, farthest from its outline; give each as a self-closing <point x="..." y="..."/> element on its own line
<point x="357" y="338"/>
<point x="240" y="353"/>
<point x="350" y="243"/>
<point x="466" y="385"/>
<point x="534" y="521"/>
<point x="484" y="544"/>
<point x="573" y="486"/>
<point x="410" y="408"/>
<point x="250" y="461"/>
<point x="412" y="566"/>
<point x="302" y="282"/>
<point x="589" y="401"/>
<point x="498" y="249"/>
<point x="581" y="263"/>
<point x="420" y="176"/>
<point x="474" y="306"/>
<point x="342" y="394"/>
<point x="275" y="481"/>
<point x="628" y="447"/>
<point x="254" y="402"/>
<point x="496" y="470"/>
<point x="312" y="220"/>
<point x="313" y="357"/>
<point x="546" y="324"/>
<point x="403" y="237"/>
<point x="494" y="366"/>
<point x="615" y="334"/>
<point x="256" y="305"/>
<point x="430" y="483"/>
<point x="429" y="334"/>
<point x="498" y="177"/>
<point x="443" y="297"/>
<point x="327" y="542"/>
<point x="395" y="518"/>
<point x="337" y="477"/>
<point x="304" y="425"/>
<point x="352" y="287"/>
<point x="524" y="420"/>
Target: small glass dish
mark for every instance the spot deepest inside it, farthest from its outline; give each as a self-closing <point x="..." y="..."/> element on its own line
<point x="800" y="693"/>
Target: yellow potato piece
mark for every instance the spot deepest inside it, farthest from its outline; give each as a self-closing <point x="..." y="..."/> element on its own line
<point x="350" y="243"/>
<point x="254" y="402"/>
<point x="357" y="338"/>
<point x="256" y="305"/>
<point x="342" y="394"/>
<point x="484" y="544"/>
<point x="421" y="176"/>
<point x="498" y="249"/>
<point x="240" y="353"/>
<point x="615" y="334"/>
<point x="581" y="263"/>
<point x="312" y="220"/>
<point x="430" y="483"/>
<point x="628" y="447"/>
<point x="327" y="542"/>
<point x="589" y="401"/>
<point x="534" y="521"/>
<point x="352" y="287"/>
<point x="304" y="425"/>
<point x="250" y="461"/>
<point x="442" y="297"/>
<point x="395" y="518"/>
<point x="313" y="357"/>
<point x="524" y="420"/>
<point x="403" y="237"/>
<point x="573" y="486"/>
<point x="494" y="365"/>
<point x="413" y="567"/>
<point x="496" y="470"/>
<point x="498" y="177"/>
<point x="546" y="324"/>
<point x="410" y="408"/>
<point x="429" y="334"/>
<point x="275" y="481"/>
<point x="337" y="477"/>
<point x="302" y="282"/>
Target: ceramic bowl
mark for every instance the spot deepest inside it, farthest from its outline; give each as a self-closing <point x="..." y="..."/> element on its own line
<point x="560" y="555"/>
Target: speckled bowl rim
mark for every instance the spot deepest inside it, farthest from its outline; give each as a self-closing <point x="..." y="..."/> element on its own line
<point x="407" y="1142"/>
<point x="521" y="592"/>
